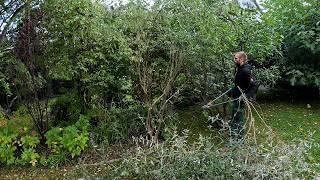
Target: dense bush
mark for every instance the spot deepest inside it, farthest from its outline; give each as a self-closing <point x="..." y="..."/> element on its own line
<point x="65" y="110"/>
<point x="301" y="34"/>
<point x="147" y="54"/>
<point x="118" y="124"/>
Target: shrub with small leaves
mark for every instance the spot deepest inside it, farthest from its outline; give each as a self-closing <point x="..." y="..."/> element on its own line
<point x="176" y="159"/>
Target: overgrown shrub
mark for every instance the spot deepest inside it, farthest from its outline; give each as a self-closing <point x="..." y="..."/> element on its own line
<point x="65" y="110"/>
<point x="119" y="124"/>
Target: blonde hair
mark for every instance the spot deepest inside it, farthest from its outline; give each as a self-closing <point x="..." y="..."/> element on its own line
<point x="242" y="54"/>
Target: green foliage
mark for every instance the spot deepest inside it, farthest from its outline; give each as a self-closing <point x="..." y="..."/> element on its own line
<point x="53" y="138"/>
<point x="9" y="144"/>
<point x="74" y="141"/>
<point x="63" y="142"/>
<point x="127" y="65"/>
<point x="300" y="27"/>
<point x="21" y="120"/>
<point x="8" y="137"/>
<point x="8" y="134"/>
<point x="268" y="76"/>
<point x="303" y="75"/>
<point x="8" y="65"/>
<point x="83" y="123"/>
<point x="54" y="160"/>
<point x="89" y="49"/>
<point x="215" y="30"/>
<point x="70" y="140"/>
<point x="21" y="111"/>
<point x="7" y="154"/>
<point x="29" y="155"/>
<point x="65" y="110"/>
<point x="188" y="45"/>
<point x="118" y="124"/>
<point x="133" y="55"/>
<point x="29" y="141"/>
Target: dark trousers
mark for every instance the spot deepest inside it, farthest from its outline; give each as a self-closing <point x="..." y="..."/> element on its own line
<point x="237" y="120"/>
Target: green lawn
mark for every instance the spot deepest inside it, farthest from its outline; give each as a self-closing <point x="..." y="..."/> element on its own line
<point x="290" y="121"/>
<point x="295" y="121"/>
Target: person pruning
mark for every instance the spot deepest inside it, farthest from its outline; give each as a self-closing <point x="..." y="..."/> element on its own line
<point x="242" y="81"/>
<point x="245" y="83"/>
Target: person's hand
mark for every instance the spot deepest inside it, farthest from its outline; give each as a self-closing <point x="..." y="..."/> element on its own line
<point x="207" y="105"/>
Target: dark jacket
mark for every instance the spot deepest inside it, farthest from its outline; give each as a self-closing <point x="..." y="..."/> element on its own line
<point x="242" y="79"/>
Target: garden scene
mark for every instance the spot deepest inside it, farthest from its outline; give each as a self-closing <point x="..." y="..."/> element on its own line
<point x="160" y="89"/>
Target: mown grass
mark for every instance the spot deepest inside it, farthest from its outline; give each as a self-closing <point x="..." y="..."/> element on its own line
<point x="294" y="120"/>
<point x="290" y="118"/>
